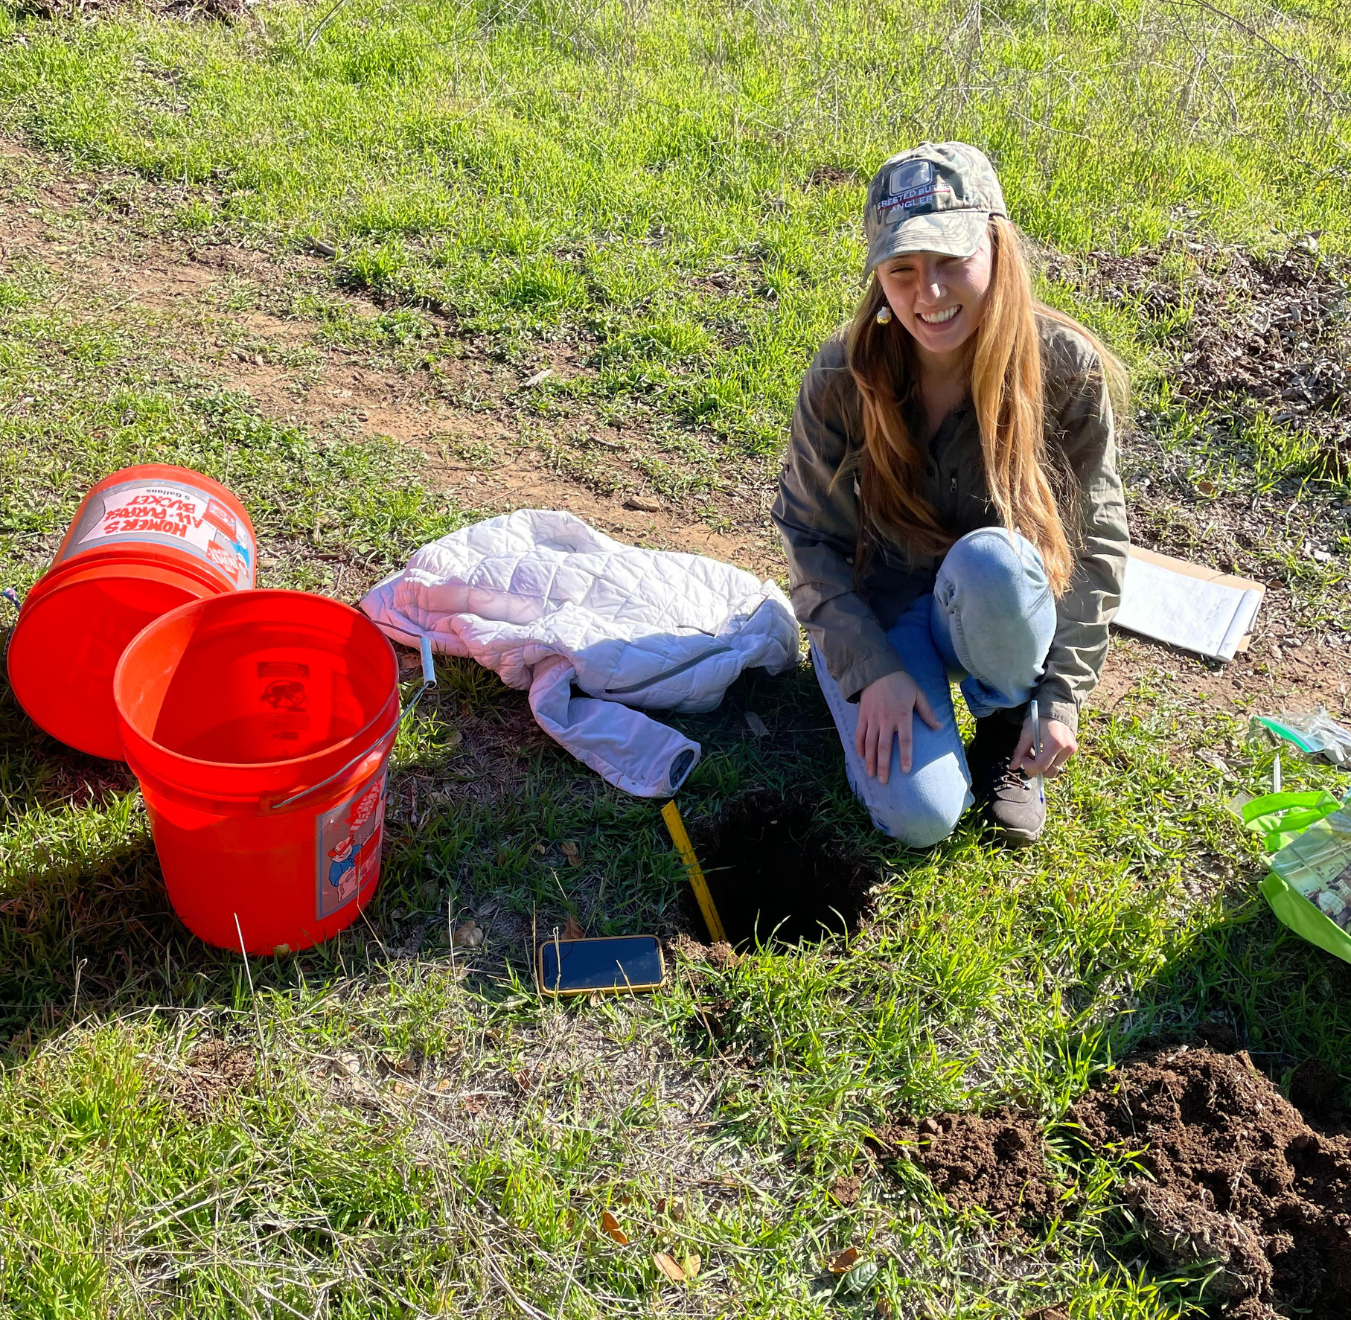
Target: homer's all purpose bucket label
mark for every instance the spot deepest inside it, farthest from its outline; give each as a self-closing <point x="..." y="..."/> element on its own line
<point x="348" y="851"/>
<point x="169" y="514"/>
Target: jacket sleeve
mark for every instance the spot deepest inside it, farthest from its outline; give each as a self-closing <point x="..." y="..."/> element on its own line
<point x="817" y="516"/>
<point x="1085" y="435"/>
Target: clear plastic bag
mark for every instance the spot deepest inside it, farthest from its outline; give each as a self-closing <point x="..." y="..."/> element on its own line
<point x="1315" y="733"/>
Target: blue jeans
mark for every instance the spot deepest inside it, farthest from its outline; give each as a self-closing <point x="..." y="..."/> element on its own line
<point x="988" y="622"/>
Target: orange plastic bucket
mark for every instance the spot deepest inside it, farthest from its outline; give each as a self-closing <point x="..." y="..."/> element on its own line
<point x="260" y="726"/>
<point x="144" y="541"/>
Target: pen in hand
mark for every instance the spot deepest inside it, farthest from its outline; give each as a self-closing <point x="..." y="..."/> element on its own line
<point x="1036" y="750"/>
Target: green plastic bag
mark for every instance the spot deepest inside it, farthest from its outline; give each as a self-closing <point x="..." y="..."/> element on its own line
<point x="1309" y="887"/>
<point x="1280" y="817"/>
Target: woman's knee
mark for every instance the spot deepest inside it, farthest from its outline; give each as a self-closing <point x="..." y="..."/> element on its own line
<point x="1000" y="563"/>
<point x="920" y="820"/>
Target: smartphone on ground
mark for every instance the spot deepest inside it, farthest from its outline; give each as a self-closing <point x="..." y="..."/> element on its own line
<point x="619" y="964"/>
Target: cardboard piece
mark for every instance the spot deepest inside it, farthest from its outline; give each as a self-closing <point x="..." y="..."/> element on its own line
<point x="1187" y="605"/>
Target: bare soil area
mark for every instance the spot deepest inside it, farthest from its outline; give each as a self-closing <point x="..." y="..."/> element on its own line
<point x="996" y="1161"/>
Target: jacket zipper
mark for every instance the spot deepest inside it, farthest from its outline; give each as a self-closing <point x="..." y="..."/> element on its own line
<point x="669" y="673"/>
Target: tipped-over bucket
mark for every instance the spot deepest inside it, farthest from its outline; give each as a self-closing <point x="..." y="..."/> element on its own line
<point x="143" y="541"/>
<point x="260" y="726"/>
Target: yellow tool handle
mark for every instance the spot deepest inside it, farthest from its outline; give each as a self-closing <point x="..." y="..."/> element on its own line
<point x="670" y="813"/>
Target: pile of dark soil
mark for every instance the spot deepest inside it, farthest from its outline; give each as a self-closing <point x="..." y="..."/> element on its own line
<point x="1268" y="332"/>
<point x="1235" y="1176"/>
<point x="996" y="1162"/>
<point x="774" y="874"/>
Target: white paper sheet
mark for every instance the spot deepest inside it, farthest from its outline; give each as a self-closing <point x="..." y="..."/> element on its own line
<point x="1210" y="618"/>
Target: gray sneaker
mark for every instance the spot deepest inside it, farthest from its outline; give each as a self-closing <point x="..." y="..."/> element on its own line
<point x="1008" y="800"/>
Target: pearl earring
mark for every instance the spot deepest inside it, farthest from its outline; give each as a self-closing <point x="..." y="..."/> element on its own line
<point x="884" y="315"/>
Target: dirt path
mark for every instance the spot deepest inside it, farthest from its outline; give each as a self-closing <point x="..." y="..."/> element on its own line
<point x="489" y="445"/>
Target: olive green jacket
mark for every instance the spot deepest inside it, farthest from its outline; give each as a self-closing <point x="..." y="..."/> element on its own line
<point x="818" y="517"/>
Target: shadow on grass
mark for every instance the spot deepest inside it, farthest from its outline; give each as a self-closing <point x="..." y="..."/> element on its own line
<point x="1247" y="982"/>
<point x="488" y="820"/>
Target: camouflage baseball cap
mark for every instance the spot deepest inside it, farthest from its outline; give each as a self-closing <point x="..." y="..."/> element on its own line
<point x="937" y="197"/>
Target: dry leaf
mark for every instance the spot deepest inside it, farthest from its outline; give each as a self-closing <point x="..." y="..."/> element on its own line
<point x="572" y="853"/>
<point x="541" y="849"/>
<point x="468" y="935"/>
<point x="692" y="1263"/>
<point x="843" y="1261"/>
<point x="574" y="929"/>
<point x="610" y="1227"/>
<point x="756" y="725"/>
<point x="674" y="1207"/>
<point x="668" y="1267"/>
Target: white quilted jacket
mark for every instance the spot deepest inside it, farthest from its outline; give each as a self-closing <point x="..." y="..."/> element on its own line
<point x="547" y="602"/>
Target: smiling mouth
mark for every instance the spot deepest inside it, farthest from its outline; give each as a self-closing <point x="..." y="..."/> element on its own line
<point x="939" y="318"/>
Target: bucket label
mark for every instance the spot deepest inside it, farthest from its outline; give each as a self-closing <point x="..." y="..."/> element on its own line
<point x="167" y="514"/>
<point x="348" y="847"/>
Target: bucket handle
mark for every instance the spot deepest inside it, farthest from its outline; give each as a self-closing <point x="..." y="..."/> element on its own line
<point x="428" y="680"/>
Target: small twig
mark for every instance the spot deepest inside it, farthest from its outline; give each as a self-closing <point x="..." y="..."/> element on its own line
<point x="323" y="23"/>
<point x="75" y="999"/>
<point x="257" y="1017"/>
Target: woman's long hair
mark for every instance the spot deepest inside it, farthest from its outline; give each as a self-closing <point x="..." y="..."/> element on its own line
<point x="1007" y="395"/>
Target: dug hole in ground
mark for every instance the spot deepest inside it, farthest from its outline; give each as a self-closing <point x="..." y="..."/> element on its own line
<point x="776" y="875"/>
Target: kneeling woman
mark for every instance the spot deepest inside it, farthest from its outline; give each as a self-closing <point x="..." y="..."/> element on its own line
<point x="951" y="509"/>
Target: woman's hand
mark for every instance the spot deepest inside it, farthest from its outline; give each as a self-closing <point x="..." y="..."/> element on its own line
<point x="886" y="710"/>
<point x="1058" y="744"/>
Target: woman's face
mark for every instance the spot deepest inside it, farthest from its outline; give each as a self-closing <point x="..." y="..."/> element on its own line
<point x="939" y="299"/>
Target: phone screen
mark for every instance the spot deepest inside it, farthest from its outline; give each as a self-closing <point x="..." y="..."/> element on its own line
<point x="621" y="962"/>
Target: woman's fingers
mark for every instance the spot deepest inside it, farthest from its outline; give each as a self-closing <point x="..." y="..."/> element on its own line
<point x="1022" y="754"/>
<point x="870" y="750"/>
<point x="905" y="735"/>
<point x="926" y="712"/>
<point x="1062" y="758"/>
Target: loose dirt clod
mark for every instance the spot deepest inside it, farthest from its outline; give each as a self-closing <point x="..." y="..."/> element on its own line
<point x="1314" y="1088"/>
<point x="847" y="1189"/>
<point x="996" y="1162"/>
<point x="1235" y="1176"/>
<point x="774" y="874"/>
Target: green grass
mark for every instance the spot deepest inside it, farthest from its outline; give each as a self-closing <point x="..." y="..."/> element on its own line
<point x="415" y="1133"/>
<point x="551" y="168"/>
